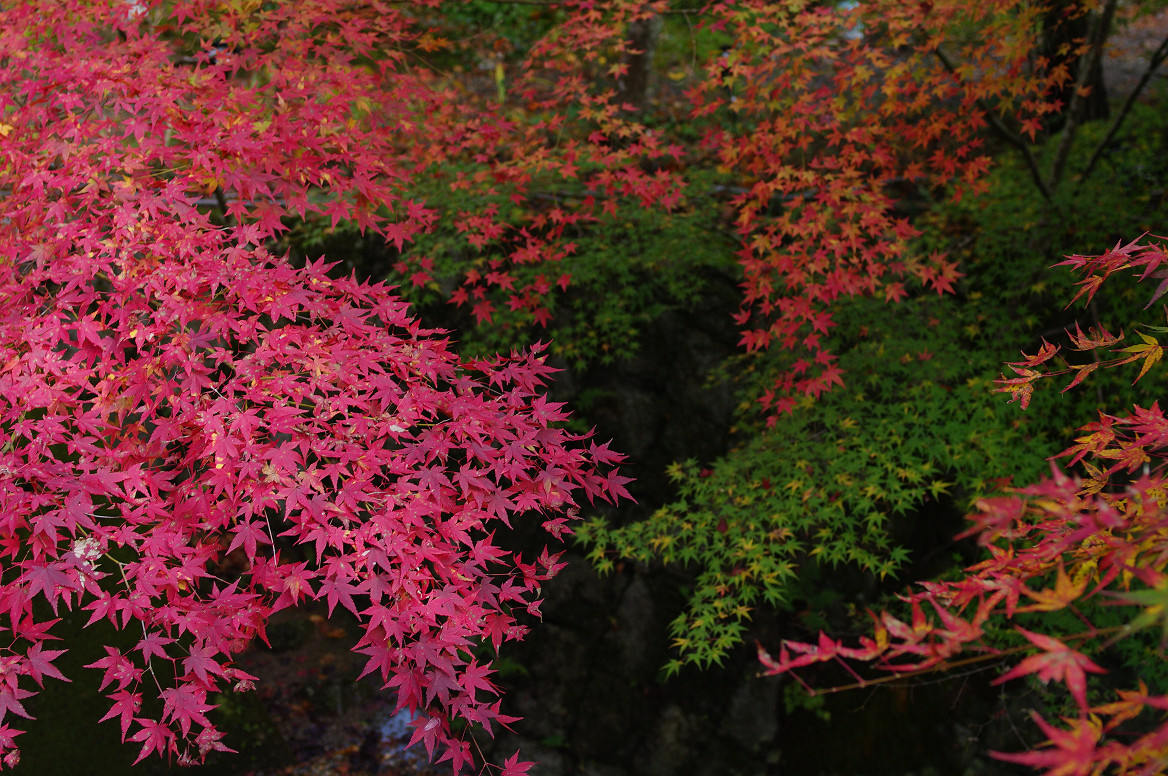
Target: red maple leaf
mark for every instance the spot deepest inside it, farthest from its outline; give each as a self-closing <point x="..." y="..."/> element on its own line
<point x="1059" y="662"/>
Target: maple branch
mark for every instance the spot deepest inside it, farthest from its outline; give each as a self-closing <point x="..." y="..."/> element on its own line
<point x="946" y="665"/>
<point x="221" y="203"/>
<point x="942" y="666"/>
<point x="1003" y="131"/>
<point x="1154" y="63"/>
<point x="1078" y="104"/>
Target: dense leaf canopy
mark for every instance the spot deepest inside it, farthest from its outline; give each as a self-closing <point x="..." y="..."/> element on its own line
<point x="179" y="401"/>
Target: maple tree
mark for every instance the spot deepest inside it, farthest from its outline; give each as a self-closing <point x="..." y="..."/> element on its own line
<point x="1089" y="545"/>
<point x="816" y="126"/>
<point x="175" y="396"/>
<point x="823" y="490"/>
<point x="175" y="392"/>
<point x="818" y="119"/>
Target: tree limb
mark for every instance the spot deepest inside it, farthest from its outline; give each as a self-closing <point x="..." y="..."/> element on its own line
<point x="1156" y="60"/>
<point x="1078" y="104"/>
<point x="1003" y="131"/>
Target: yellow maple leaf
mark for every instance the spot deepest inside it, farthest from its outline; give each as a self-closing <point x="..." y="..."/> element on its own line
<point x="1063" y="594"/>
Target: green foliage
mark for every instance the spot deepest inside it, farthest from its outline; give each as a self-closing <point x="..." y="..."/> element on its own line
<point x="555" y="741"/>
<point x="630" y="268"/>
<point x="1008" y="238"/>
<point x="836" y="483"/>
<point x="795" y="696"/>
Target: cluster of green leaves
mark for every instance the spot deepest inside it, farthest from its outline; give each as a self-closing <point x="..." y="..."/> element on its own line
<point x="837" y="484"/>
<point x="629" y="269"/>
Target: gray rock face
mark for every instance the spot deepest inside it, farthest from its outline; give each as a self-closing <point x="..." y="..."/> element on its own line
<point x="594" y="687"/>
<point x="752" y="715"/>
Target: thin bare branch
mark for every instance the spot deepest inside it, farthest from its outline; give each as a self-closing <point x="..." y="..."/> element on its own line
<point x="1154" y="63"/>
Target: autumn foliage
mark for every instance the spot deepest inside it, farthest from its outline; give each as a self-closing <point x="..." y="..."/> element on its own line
<point x="820" y="130"/>
<point x="1091" y="545"/>
<point x="178" y="401"/>
<point x="175" y="398"/>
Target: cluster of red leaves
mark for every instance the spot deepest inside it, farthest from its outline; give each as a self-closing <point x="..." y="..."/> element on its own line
<point x="822" y="115"/>
<point x="1052" y="547"/>
<point x="838" y="108"/>
<point x="1147" y="261"/>
<point x="171" y="394"/>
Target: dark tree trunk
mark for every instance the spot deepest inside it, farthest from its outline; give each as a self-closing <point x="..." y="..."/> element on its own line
<point x="637" y="83"/>
<point x="1064" y="30"/>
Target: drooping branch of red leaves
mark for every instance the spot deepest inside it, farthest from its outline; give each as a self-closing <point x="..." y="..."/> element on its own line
<point x="1054" y="547"/>
<point x="174" y="399"/>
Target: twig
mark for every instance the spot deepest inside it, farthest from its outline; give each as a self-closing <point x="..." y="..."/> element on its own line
<point x="221" y="203"/>
<point x="1119" y="632"/>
